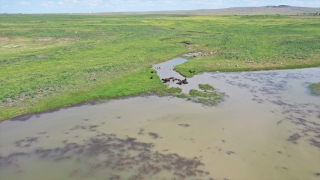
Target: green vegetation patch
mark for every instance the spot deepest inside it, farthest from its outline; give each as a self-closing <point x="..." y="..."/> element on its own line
<point x="315" y="89"/>
<point x="174" y="91"/>
<point x="206" y="87"/>
<point x="208" y="97"/>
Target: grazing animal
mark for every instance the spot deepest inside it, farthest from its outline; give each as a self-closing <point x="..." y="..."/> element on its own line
<point x="179" y="82"/>
<point x="151" y="77"/>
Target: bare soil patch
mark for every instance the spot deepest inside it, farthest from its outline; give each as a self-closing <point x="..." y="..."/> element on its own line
<point x="42" y="56"/>
<point x="4" y="38"/>
<point x="67" y="39"/>
<point x="50" y="39"/>
<point x="43" y="39"/>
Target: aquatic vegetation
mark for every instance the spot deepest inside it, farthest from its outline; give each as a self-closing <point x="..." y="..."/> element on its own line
<point x="206" y="87"/>
<point x="154" y="135"/>
<point x="315" y="142"/>
<point x="26" y="142"/>
<point x="294" y="138"/>
<point x="209" y="97"/>
<point x="315" y="89"/>
<point x="117" y="155"/>
<point x="183" y="96"/>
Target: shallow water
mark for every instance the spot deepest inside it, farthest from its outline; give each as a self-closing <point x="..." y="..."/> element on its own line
<point x="267" y="128"/>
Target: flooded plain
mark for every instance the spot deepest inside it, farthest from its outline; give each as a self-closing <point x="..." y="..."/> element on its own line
<point x="268" y="127"/>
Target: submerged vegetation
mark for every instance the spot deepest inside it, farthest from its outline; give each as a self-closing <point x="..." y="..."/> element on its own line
<point x="50" y="61"/>
<point x="315" y="89"/>
<point x="108" y="153"/>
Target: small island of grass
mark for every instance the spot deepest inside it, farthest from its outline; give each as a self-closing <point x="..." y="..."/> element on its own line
<point x="315" y="89"/>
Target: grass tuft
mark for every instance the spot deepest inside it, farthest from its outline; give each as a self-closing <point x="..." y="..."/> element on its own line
<point x="315" y="89"/>
<point x="206" y="87"/>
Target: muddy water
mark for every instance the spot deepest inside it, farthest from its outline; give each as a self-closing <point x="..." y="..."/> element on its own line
<point x="267" y="128"/>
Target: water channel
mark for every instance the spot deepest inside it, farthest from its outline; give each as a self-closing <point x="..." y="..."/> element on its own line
<point x="268" y="127"/>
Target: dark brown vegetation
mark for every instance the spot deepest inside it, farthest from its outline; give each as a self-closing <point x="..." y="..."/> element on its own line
<point x="294" y="138"/>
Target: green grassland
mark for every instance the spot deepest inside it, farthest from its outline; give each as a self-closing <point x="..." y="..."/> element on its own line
<point x="50" y="61"/>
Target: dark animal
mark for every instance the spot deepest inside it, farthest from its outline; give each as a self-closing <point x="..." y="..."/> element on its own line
<point x="165" y="80"/>
<point x="151" y="71"/>
<point x="175" y="79"/>
<point x="151" y="77"/>
<point x="184" y="81"/>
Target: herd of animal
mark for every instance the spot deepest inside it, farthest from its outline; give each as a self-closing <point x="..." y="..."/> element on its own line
<point x="180" y="82"/>
<point x="168" y="80"/>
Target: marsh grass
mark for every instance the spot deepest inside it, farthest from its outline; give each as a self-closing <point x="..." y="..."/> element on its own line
<point x="206" y="87"/>
<point x="50" y="61"/>
<point x="208" y="97"/>
<point x="315" y="89"/>
<point x="174" y="91"/>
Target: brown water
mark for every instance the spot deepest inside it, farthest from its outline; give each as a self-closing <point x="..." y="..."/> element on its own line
<point x="267" y="128"/>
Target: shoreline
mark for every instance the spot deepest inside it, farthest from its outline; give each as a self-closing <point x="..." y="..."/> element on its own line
<point x="24" y="117"/>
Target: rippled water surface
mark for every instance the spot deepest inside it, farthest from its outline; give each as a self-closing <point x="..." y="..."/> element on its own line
<point x="267" y="128"/>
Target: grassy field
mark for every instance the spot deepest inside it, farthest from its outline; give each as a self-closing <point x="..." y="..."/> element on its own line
<point x="50" y="61"/>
